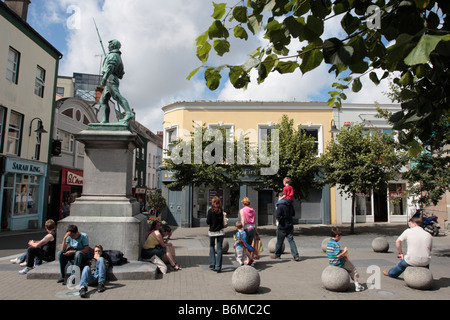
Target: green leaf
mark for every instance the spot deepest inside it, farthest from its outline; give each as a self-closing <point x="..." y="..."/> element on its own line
<point x="255" y="23"/>
<point x="311" y="60"/>
<point x="373" y="76"/>
<point x="221" y="47"/>
<point x="203" y="52"/>
<point x="240" y="33"/>
<point x="335" y="52"/>
<point x="219" y="10"/>
<point x="357" y="85"/>
<point x="193" y="73"/>
<point x="240" y="14"/>
<point x="212" y="77"/>
<point x="421" y="53"/>
<point x="217" y="30"/>
<point x="286" y="66"/>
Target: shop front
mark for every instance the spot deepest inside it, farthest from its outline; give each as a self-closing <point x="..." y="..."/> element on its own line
<point x="22" y="194"/>
<point x="71" y="187"/>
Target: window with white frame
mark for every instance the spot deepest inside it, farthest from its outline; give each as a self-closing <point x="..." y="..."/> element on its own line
<point x="170" y="136"/>
<point x="67" y="141"/>
<point x="12" y="71"/>
<point x="315" y="132"/>
<point x="15" y="129"/>
<point x="40" y="82"/>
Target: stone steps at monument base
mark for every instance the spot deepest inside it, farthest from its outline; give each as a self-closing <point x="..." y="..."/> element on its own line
<point x="132" y="270"/>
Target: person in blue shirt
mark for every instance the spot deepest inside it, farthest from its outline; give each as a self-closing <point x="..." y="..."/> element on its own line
<point x="241" y="245"/>
<point x="339" y="258"/>
<point x="74" y="248"/>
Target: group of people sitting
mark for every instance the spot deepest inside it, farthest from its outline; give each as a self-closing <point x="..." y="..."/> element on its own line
<point x="93" y="263"/>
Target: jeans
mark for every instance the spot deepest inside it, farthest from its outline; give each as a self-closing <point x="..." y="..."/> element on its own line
<point x="399" y="268"/>
<point x="78" y="259"/>
<point x="99" y="276"/>
<point x="281" y="235"/>
<point x="250" y="235"/>
<point x="33" y="253"/>
<point x="149" y="253"/>
<point x="212" y="252"/>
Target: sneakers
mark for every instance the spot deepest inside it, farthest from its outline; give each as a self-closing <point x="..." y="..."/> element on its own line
<point x="25" y="270"/>
<point x="359" y="287"/>
<point x="101" y="287"/>
<point x="83" y="292"/>
<point x="15" y="261"/>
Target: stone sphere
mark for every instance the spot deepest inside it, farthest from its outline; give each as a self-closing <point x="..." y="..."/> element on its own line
<point x="380" y="245"/>
<point x="325" y="244"/>
<point x="225" y="247"/>
<point x="335" y="279"/>
<point x="418" y="278"/>
<point x="246" y="280"/>
<point x="273" y="243"/>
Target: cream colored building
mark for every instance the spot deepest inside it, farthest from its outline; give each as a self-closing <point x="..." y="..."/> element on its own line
<point x="188" y="207"/>
<point x="28" y="73"/>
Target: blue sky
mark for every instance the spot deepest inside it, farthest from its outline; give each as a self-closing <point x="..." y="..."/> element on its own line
<point x="158" y="50"/>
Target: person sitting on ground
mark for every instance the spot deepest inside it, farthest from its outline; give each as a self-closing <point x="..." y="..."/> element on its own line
<point x="419" y="244"/>
<point x="95" y="273"/>
<point x="155" y="245"/>
<point x="43" y="250"/>
<point x="74" y="248"/>
<point x="339" y="258"/>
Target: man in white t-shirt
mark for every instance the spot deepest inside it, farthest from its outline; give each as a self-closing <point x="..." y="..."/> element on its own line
<point x="419" y="243"/>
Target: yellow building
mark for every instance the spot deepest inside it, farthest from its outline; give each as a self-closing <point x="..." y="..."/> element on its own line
<point x="28" y="73"/>
<point x="188" y="207"/>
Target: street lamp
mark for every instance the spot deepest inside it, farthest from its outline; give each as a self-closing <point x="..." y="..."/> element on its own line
<point x="334" y="129"/>
<point x="40" y="128"/>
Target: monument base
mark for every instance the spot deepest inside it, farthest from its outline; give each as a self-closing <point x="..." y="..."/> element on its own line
<point x="112" y="233"/>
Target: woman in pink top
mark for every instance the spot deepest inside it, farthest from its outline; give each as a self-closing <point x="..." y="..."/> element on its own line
<point x="248" y="219"/>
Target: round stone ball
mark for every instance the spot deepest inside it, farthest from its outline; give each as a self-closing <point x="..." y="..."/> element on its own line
<point x="273" y="243"/>
<point x="335" y="279"/>
<point x="325" y="244"/>
<point x="246" y="280"/>
<point x="225" y="247"/>
<point x="380" y="244"/>
<point x="418" y="278"/>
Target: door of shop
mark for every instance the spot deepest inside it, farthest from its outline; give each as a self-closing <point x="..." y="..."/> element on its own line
<point x="175" y="205"/>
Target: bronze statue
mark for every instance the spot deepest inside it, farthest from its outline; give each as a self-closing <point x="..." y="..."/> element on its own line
<point x="112" y="71"/>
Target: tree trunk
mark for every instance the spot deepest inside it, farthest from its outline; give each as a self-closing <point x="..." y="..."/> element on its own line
<point x="352" y="225"/>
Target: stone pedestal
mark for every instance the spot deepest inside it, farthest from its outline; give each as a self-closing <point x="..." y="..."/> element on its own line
<point x="106" y="211"/>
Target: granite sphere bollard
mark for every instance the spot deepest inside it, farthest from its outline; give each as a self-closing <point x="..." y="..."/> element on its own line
<point x="246" y="280"/>
<point x="335" y="279"/>
<point x="225" y="247"/>
<point x="418" y="278"/>
<point x="273" y="243"/>
<point x="380" y="244"/>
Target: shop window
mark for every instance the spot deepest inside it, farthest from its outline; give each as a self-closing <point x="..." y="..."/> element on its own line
<point x="39" y="82"/>
<point x="204" y="194"/>
<point x="26" y="195"/>
<point x="15" y="129"/>
<point x="12" y="71"/>
<point x="363" y="204"/>
<point x="397" y="199"/>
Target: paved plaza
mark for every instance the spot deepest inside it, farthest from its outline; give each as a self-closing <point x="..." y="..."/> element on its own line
<point x="282" y="279"/>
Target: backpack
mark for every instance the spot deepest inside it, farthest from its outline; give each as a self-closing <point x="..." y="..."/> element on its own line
<point x="116" y="257"/>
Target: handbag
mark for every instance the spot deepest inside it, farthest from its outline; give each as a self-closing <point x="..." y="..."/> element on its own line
<point x="257" y="246"/>
<point x="159" y="263"/>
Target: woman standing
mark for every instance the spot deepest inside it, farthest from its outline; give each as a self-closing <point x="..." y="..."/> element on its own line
<point x="215" y="222"/>
<point x="248" y="219"/>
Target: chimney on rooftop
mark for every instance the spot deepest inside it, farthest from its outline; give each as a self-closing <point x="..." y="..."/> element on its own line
<point x="19" y="6"/>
